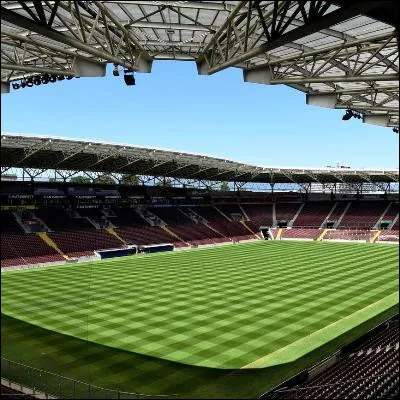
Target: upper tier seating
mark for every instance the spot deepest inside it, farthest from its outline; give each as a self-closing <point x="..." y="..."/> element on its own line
<point x="8" y="223"/>
<point x="392" y="212"/>
<point x="127" y="217"/>
<point x="363" y="215"/>
<point x="229" y="209"/>
<point x="171" y="215"/>
<point x="286" y="211"/>
<point x="259" y="215"/>
<point x="183" y="226"/>
<point x="57" y="219"/>
<point x="313" y="214"/>
<point x="338" y="211"/>
<point x="220" y="223"/>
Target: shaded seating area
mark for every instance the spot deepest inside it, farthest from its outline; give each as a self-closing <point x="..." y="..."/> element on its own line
<point x="369" y="371"/>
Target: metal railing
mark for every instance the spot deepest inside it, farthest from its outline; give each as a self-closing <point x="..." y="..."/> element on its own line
<point x="62" y="387"/>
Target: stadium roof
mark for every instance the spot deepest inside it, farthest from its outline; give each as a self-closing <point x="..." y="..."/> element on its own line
<point x="342" y="54"/>
<point x="46" y="152"/>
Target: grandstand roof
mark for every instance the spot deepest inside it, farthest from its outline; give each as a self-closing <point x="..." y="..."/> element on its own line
<point x="47" y="152"/>
<point x="342" y="54"/>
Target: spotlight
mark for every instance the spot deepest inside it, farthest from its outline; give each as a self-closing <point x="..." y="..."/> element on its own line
<point x="45" y="79"/>
<point x="347" y="116"/>
<point x="37" y="81"/>
<point x="29" y="82"/>
<point x="396" y="130"/>
<point x="129" y="78"/>
<point x="69" y="77"/>
<point x="60" y="77"/>
<point x="23" y="83"/>
<point x="15" y="86"/>
<point x="52" y="78"/>
<point x="115" y="70"/>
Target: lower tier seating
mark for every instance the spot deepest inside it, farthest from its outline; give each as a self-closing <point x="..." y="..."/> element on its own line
<point x="370" y="371"/>
<point x="26" y="249"/>
<point x="83" y="243"/>
<point x="348" y="234"/>
<point x="389" y="236"/>
<point x="301" y="233"/>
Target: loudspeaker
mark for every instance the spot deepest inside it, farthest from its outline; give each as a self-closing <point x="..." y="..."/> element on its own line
<point x="129" y="80"/>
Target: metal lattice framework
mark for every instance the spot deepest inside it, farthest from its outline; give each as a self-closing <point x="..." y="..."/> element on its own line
<point x="342" y="54"/>
<point x="65" y="157"/>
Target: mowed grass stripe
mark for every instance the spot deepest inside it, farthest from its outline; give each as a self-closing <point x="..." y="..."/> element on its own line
<point x="221" y="307"/>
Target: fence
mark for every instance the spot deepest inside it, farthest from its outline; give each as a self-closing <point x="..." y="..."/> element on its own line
<point x="62" y="387"/>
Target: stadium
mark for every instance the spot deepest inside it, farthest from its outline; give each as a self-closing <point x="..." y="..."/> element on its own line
<point x="142" y="272"/>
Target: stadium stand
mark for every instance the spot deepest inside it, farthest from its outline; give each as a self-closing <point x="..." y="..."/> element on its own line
<point x="301" y="233"/>
<point x="389" y="236"/>
<point x="338" y="211"/>
<point x="26" y="249"/>
<point x="8" y="223"/>
<point x="313" y="214"/>
<point x="348" y="234"/>
<point x="220" y="223"/>
<point x="12" y="394"/>
<point x="83" y="243"/>
<point x="363" y="215"/>
<point x="259" y="215"/>
<point x="286" y="211"/>
<point x="58" y="219"/>
<point x="369" y="370"/>
<point x="79" y="232"/>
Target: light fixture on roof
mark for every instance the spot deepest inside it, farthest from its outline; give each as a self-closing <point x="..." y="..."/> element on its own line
<point x="395" y="130"/>
<point x="115" y="70"/>
<point x="29" y="82"/>
<point x="53" y="78"/>
<point x="129" y="78"/>
<point x="37" y="81"/>
<point x="45" y="79"/>
<point x="23" y="83"/>
<point x="15" y="85"/>
<point x="60" y="77"/>
<point x="347" y="116"/>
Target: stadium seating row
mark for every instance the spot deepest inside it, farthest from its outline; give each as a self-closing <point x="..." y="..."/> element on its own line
<point x="75" y="233"/>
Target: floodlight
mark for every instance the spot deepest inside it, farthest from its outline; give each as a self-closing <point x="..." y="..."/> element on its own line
<point x="45" y="79"/>
<point x="60" y="77"/>
<point x="29" y="82"/>
<point x="15" y="85"/>
<point x="115" y="70"/>
<point x="129" y="78"/>
<point x="37" y="81"/>
<point x="69" y="77"/>
<point x="347" y="116"/>
<point x="53" y="78"/>
<point x="396" y="130"/>
<point x="23" y="83"/>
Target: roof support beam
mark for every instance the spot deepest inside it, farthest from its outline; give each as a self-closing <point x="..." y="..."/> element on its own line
<point x="37" y="69"/>
<point x="26" y="23"/>
<point x="343" y="78"/>
<point x="346" y="12"/>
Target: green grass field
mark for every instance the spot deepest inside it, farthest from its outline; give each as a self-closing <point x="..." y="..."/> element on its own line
<point x="189" y="317"/>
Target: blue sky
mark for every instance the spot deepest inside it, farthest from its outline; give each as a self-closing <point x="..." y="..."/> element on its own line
<point x="219" y="115"/>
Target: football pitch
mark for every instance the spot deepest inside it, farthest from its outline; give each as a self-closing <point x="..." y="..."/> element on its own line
<point x="246" y="307"/>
